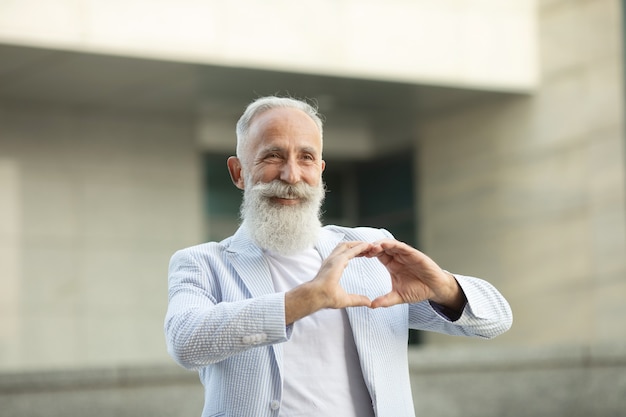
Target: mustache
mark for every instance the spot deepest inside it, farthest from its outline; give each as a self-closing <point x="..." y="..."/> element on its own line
<point x="281" y="189"/>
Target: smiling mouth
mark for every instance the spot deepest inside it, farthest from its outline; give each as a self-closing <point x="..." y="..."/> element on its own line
<point x="287" y="201"/>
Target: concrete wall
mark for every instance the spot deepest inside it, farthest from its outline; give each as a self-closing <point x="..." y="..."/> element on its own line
<point x="480" y="382"/>
<point x="93" y="205"/>
<point x="115" y="391"/>
<point x="529" y="192"/>
<point x="487" y="44"/>
<point x="544" y="382"/>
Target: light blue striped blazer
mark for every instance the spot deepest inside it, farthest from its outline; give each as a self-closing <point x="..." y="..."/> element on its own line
<point x="225" y="320"/>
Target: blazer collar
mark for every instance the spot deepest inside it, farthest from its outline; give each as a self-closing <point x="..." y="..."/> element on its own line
<point x="250" y="263"/>
<point x="242" y="243"/>
<point x="327" y="241"/>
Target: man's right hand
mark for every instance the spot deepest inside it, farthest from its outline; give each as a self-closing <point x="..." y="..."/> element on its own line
<point x="324" y="290"/>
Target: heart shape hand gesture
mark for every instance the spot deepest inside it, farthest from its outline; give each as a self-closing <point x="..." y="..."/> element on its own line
<point x="414" y="278"/>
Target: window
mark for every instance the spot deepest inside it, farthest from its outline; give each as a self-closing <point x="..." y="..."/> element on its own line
<point x="222" y="198"/>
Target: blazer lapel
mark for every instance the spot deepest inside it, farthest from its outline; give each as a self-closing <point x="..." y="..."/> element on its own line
<point x="354" y="281"/>
<point x="250" y="264"/>
<point x="352" y="278"/>
<point x="327" y="242"/>
<point x="253" y="270"/>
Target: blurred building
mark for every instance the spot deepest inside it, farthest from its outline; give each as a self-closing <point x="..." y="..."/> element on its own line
<point x="490" y="134"/>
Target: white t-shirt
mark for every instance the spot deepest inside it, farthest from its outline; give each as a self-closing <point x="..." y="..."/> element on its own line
<point x="322" y="374"/>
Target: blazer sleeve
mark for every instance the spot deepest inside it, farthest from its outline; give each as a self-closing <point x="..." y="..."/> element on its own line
<point x="487" y="314"/>
<point x="201" y="329"/>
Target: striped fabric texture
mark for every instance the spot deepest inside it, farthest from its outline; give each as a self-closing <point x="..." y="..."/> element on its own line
<point x="225" y="320"/>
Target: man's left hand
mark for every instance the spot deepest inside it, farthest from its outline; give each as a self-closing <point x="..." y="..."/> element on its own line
<point x="415" y="277"/>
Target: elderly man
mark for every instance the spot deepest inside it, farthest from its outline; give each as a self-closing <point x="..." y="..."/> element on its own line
<point x="289" y="318"/>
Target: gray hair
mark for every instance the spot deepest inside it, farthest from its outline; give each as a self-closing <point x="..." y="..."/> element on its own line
<point x="264" y="104"/>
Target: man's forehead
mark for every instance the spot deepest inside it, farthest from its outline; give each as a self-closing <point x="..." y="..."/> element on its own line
<point x="282" y="115"/>
<point x="285" y="125"/>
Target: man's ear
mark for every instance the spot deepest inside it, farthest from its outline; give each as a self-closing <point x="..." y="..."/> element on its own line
<point x="234" y="168"/>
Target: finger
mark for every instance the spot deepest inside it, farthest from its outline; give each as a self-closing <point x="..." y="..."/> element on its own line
<point x="384" y="257"/>
<point x="344" y="246"/>
<point x="373" y="251"/>
<point x="383" y="248"/>
<point x="356" y="300"/>
<point x="355" y="248"/>
<point x="387" y="300"/>
<point x="395" y="246"/>
<point x="404" y="253"/>
<point x="387" y="249"/>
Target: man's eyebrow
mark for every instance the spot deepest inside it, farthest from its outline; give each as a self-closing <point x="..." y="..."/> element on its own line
<point x="272" y="149"/>
<point x="309" y="149"/>
<point x="304" y="149"/>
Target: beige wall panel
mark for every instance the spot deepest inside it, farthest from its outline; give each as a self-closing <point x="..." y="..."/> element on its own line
<point x="10" y="257"/>
<point x="573" y="33"/>
<point x="446" y="42"/>
<point x="608" y="303"/>
<point x="106" y="199"/>
<point x="533" y="192"/>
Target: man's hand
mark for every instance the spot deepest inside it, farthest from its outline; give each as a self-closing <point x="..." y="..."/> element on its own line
<point x="415" y="277"/>
<point x="324" y="290"/>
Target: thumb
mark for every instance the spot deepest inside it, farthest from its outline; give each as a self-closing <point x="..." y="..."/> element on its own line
<point x="356" y="300"/>
<point x="387" y="300"/>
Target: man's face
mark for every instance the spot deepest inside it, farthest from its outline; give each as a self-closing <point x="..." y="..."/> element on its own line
<point x="284" y="144"/>
<point x="281" y="177"/>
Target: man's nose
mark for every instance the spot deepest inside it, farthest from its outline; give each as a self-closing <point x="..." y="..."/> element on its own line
<point x="290" y="172"/>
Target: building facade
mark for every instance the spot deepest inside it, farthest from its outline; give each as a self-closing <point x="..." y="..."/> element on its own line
<point x="493" y="132"/>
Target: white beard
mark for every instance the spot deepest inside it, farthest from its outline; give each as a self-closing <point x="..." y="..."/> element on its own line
<point x="282" y="229"/>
